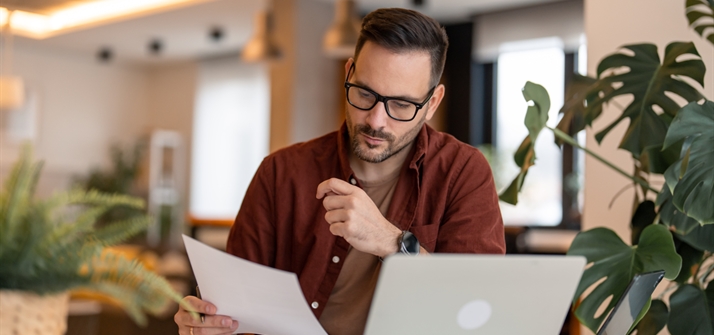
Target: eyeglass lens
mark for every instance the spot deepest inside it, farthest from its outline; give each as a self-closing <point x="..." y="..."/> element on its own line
<point x="364" y="99"/>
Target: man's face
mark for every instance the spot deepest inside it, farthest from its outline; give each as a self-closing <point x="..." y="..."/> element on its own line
<point x="375" y="136"/>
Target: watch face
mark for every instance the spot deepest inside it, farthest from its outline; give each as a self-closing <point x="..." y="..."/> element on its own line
<point x="409" y="244"/>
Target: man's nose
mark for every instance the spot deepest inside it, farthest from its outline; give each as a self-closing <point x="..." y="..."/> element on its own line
<point x="378" y="117"/>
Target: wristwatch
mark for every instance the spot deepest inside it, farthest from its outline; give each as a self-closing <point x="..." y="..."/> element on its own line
<point x="408" y="244"/>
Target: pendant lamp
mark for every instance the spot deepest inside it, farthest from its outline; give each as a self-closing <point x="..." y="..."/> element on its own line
<point x="341" y="38"/>
<point x="261" y="46"/>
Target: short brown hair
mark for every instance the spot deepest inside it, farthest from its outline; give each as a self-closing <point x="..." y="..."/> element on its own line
<point x="399" y="29"/>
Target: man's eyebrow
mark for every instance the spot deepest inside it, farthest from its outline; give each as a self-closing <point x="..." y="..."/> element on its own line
<point x="401" y="97"/>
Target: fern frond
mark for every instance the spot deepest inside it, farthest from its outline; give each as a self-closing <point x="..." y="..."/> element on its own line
<point x="97" y="198"/>
<point x="120" y="296"/>
<point x="52" y="246"/>
<point x="19" y="190"/>
<point x="143" y="289"/>
<point x="118" y="232"/>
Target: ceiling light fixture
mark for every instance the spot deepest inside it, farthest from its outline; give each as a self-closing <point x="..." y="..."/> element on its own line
<point x="12" y="88"/>
<point x="41" y="26"/>
<point x="261" y="46"/>
<point x="341" y="38"/>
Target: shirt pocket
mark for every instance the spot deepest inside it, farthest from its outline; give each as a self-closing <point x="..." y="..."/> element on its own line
<point x="427" y="235"/>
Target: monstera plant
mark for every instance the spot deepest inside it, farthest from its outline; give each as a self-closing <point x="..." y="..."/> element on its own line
<point x="675" y="232"/>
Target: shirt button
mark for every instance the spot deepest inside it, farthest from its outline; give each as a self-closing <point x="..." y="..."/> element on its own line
<point x="353" y="181"/>
<point x="315" y="305"/>
<point x="335" y="259"/>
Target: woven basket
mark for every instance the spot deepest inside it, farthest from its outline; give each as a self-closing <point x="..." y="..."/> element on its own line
<point x="26" y="313"/>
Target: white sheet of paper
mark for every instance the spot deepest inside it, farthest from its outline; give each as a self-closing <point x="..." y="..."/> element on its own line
<point x="263" y="300"/>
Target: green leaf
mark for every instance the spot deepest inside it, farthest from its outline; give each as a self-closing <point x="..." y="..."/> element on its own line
<point x="657" y="160"/>
<point x="644" y="216"/>
<point x="692" y="311"/>
<point x="537" y="114"/>
<point x="654" y="320"/>
<point x="679" y="222"/>
<point x="691" y="257"/>
<point x="701" y="237"/>
<point x="647" y="81"/>
<point x="525" y="158"/>
<point x="617" y="263"/>
<point x="578" y="95"/>
<point x="698" y="9"/>
<point x="691" y="179"/>
<point x="536" y="118"/>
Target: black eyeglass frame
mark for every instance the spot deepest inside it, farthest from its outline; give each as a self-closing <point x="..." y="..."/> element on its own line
<point x="383" y="99"/>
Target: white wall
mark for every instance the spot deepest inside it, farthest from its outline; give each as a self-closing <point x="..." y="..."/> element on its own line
<point x="171" y="104"/>
<point x="610" y="24"/>
<point x="84" y="107"/>
<point x="314" y="99"/>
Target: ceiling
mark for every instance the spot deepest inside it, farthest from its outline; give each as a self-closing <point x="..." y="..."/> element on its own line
<point x="41" y="6"/>
<point x="184" y="31"/>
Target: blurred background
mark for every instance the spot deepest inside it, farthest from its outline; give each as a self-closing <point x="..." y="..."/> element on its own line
<point x="178" y="101"/>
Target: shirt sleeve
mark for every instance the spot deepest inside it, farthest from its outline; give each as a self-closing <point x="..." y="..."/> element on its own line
<point x="472" y="222"/>
<point x="252" y="236"/>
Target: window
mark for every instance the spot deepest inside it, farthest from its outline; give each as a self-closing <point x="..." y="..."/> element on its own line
<point x="230" y="136"/>
<point x="541" y="61"/>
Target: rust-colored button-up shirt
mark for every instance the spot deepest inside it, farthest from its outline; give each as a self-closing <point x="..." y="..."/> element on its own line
<point x="445" y="196"/>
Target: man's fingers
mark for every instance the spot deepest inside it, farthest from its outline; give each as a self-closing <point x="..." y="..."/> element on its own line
<point x="208" y="331"/>
<point x="335" y="186"/>
<point x="333" y="202"/>
<point x="200" y="305"/>
<point x="215" y="324"/>
<point x="336" y="216"/>
<point x="336" y="229"/>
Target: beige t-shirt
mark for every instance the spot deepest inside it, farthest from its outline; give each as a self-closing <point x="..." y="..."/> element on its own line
<point x="347" y="308"/>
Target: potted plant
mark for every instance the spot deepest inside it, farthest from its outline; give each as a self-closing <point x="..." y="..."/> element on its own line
<point x="676" y="231"/>
<point x="49" y="247"/>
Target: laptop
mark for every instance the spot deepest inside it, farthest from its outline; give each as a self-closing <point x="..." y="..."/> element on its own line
<point x="631" y="303"/>
<point x="474" y="294"/>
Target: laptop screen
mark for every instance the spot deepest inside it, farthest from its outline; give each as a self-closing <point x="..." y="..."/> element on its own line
<point x="625" y="313"/>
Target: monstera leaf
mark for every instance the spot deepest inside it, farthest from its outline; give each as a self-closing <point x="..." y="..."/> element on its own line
<point x="579" y="93"/>
<point x="536" y="118"/>
<point x="701" y="238"/>
<point x="691" y="179"/>
<point x="647" y="81"/>
<point x="679" y="222"/>
<point x="692" y="311"/>
<point x="700" y="14"/>
<point x="654" y="320"/>
<point x="617" y="263"/>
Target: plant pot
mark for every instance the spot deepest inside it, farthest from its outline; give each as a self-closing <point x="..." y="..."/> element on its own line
<point x="27" y="313"/>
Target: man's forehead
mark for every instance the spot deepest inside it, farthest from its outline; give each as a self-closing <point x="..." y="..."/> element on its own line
<point x="393" y="73"/>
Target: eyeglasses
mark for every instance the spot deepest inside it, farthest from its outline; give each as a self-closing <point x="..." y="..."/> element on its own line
<point x="365" y="99"/>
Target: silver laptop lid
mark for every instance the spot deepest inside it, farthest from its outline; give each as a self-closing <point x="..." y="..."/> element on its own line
<point x="473" y="294"/>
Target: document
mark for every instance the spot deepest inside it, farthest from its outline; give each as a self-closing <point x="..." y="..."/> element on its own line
<point x="264" y="300"/>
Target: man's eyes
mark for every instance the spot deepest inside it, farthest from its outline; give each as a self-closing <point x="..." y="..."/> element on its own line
<point x="400" y="104"/>
<point x="364" y="93"/>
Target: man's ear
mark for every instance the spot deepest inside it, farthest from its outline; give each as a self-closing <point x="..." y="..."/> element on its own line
<point x="435" y="100"/>
<point x="348" y="64"/>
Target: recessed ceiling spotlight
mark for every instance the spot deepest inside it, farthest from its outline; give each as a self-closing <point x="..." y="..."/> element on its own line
<point x="105" y="54"/>
<point x="216" y="34"/>
<point x="156" y="46"/>
<point x="418" y="3"/>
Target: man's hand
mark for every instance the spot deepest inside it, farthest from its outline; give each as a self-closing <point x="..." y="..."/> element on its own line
<point x="212" y="325"/>
<point x="354" y="216"/>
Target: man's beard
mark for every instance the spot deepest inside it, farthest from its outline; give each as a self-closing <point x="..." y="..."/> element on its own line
<point x="394" y="145"/>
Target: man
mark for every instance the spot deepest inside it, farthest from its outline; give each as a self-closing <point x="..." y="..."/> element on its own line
<point x="330" y="209"/>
